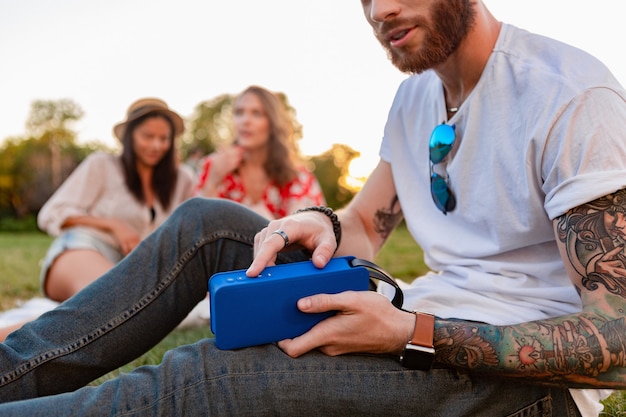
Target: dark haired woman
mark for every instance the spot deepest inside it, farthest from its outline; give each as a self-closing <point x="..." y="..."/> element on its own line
<point x="110" y="202"/>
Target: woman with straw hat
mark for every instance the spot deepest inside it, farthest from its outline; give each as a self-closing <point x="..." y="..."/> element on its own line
<point x="111" y="202"/>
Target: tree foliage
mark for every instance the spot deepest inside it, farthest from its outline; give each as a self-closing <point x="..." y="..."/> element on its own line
<point x="209" y="126"/>
<point x="331" y="169"/>
<point x="52" y="115"/>
<point x="33" y="166"/>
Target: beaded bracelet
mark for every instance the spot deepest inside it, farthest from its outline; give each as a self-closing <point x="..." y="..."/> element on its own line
<point x="331" y="215"/>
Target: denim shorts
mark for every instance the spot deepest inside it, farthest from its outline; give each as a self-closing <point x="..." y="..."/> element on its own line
<point x="76" y="238"/>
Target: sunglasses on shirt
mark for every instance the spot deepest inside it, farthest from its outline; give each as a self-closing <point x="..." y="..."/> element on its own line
<point x="441" y="141"/>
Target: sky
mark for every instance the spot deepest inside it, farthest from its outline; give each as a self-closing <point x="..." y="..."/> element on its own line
<point x="105" y="54"/>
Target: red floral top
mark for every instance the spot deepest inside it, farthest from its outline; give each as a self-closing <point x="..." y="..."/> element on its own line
<point x="302" y="191"/>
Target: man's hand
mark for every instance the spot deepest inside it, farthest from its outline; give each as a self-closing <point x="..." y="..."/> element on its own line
<point x="310" y="230"/>
<point x="365" y="322"/>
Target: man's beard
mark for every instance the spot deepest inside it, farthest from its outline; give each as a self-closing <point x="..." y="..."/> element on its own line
<point x="451" y="22"/>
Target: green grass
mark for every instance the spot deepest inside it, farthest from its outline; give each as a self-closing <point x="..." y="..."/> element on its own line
<point x="401" y="256"/>
<point x="20" y="254"/>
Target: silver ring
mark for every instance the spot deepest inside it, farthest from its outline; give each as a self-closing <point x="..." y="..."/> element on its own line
<point x="282" y="234"/>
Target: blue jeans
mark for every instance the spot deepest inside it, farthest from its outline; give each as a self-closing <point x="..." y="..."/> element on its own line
<point x="131" y="308"/>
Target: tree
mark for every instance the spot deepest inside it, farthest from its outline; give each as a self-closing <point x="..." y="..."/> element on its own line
<point x="209" y="126"/>
<point x="51" y="115"/>
<point x="32" y="167"/>
<point x="49" y="120"/>
<point x="23" y="163"/>
<point x="331" y="169"/>
<point x="25" y="172"/>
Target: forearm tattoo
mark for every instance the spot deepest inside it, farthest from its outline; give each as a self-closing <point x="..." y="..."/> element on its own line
<point x="586" y="349"/>
<point x="386" y="219"/>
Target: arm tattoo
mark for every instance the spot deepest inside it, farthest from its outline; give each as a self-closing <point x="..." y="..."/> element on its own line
<point x="594" y="235"/>
<point x="585" y="349"/>
<point x="571" y="350"/>
<point x="386" y="219"/>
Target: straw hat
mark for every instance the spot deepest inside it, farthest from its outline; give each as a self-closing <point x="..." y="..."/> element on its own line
<point x="144" y="106"/>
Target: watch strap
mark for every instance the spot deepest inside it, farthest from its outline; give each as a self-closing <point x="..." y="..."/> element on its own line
<point x="419" y="353"/>
<point x="423" y="333"/>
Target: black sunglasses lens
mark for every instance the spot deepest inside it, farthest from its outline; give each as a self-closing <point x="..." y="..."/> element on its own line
<point x="442" y="196"/>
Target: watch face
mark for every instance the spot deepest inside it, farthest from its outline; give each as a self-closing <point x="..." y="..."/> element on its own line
<point x="417" y="357"/>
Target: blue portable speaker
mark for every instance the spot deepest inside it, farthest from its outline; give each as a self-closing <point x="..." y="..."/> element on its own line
<point x="252" y="311"/>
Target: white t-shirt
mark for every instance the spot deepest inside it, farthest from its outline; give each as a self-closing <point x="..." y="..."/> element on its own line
<point x="542" y="132"/>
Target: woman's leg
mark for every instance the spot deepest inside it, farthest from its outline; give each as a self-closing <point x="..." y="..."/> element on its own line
<point x="133" y="306"/>
<point x="72" y="271"/>
<point x="7" y="330"/>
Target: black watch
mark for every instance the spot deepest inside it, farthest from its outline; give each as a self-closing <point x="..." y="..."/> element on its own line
<point x="419" y="353"/>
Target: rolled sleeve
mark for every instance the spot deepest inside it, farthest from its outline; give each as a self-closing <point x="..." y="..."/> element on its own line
<point x="585" y="156"/>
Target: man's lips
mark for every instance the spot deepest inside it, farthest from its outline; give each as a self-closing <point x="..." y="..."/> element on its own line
<point x="398" y="37"/>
